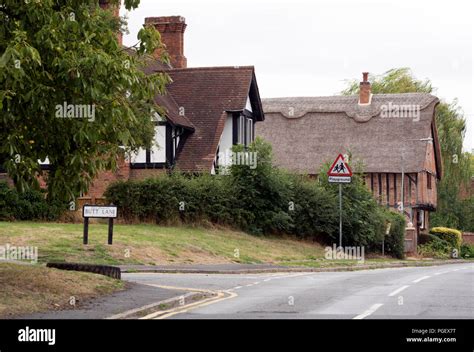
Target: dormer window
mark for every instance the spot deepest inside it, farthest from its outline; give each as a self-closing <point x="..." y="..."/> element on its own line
<point x="244" y="128"/>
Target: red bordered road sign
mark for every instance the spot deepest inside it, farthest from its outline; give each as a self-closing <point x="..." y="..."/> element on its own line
<point x="340" y="172"/>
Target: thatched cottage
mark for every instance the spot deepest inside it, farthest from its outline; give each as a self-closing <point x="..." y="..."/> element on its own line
<point x="392" y="134"/>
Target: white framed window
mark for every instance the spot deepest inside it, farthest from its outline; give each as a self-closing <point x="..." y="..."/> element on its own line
<point x="158" y="149"/>
<point x="249" y="131"/>
<point x="241" y="129"/>
<point x="421" y="218"/>
<point x="139" y="157"/>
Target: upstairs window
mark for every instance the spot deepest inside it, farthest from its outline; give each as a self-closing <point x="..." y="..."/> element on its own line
<point x="244" y="130"/>
<point x="248" y="131"/>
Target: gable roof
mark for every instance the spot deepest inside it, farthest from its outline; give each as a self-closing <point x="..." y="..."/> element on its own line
<point x="166" y="101"/>
<point x="307" y="132"/>
<point x="150" y="65"/>
<point x="206" y="94"/>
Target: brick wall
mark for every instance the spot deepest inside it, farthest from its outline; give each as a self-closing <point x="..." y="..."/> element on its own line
<point x="105" y="178"/>
<point x="140" y="174"/>
<point x="468" y="237"/>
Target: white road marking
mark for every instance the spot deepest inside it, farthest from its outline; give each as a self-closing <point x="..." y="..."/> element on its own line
<point x="420" y="279"/>
<point x="398" y="290"/>
<point x="237" y="287"/>
<point x="267" y="280"/>
<point x="369" y="311"/>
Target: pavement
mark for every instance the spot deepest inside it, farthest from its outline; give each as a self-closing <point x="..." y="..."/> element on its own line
<point x="429" y="292"/>
<point x="136" y="295"/>
<point x="236" y="268"/>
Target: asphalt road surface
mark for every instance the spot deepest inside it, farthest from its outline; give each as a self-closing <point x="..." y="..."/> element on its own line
<point x="436" y="292"/>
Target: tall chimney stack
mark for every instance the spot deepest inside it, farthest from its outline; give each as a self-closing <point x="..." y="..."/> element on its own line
<point x="105" y="5"/>
<point x="172" y="30"/>
<point x="365" y="89"/>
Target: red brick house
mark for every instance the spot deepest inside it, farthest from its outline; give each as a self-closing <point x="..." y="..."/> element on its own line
<point x="390" y="133"/>
<point x="207" y="111"/>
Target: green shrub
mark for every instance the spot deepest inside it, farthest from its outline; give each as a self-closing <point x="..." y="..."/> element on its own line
<point x="452" y="236"/>
<point x="314" y="211"/>
<point x="467" y="250"/>
<point x="29" y="205"/>
<point x="262" y="193"/>
<point x="174" y="198"/>
<point x="395" y="240"/>
<point x="8" y="202"/>
<point x="435" y="247"/>
<point x="262" y="200"/>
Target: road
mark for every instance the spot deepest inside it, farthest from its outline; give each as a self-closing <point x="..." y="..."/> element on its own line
<point x="436" y="292"/>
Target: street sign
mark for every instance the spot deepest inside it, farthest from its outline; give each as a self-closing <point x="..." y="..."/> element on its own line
<point x="99" y="211"/>
<point x="340" y="172"/>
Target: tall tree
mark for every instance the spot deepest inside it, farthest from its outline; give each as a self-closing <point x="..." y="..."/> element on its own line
<point x="70" y="92"/>
<point x="451" y="127"/>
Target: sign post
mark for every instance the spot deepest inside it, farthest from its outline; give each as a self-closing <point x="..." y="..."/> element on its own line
<point x="340" y="173"/>
<point x="99" y="211"/>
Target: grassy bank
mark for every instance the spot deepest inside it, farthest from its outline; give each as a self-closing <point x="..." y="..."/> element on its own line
<point x="151" y="244"/>
<point x="26" y="289"/>
<point x="158" y="245"/>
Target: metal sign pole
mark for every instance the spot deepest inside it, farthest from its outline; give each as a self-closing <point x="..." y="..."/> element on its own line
<point x="340" y="215"/>
<point x="111" y="230"/>
<point x="86" y="231"/>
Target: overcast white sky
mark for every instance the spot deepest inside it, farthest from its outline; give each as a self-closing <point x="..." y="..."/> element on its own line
<point x="309" y="48"/>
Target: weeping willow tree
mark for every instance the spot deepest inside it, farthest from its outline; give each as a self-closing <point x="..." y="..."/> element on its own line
<point x="451" y="126"/>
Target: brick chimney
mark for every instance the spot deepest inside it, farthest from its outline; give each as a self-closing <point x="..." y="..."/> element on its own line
<point x="172" y="30"/>
<point x="105" y="5"/>
<point x="365" y="89"/>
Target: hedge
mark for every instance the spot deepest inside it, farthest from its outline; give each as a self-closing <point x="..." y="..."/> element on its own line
<point x="467" y="250"/>
<point x="29" y="205"/>
<point x="435" y="247"/>
<point x="262" y="200"/>
<point x="452" y="236"/>
<point x="395" y="240"/>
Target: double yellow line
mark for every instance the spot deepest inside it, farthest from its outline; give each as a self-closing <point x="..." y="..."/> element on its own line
<point x="218" y="296"/>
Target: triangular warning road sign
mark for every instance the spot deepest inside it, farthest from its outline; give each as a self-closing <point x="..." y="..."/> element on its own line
<point x="340" y="168"/>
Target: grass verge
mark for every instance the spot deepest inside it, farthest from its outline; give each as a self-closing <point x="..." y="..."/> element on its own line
<point x="26" y="289"/>
<point x="153" y="245"/>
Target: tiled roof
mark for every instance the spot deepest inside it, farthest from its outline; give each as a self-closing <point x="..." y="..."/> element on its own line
<point x="205" y="95"/>
<point x="166" y="101"/>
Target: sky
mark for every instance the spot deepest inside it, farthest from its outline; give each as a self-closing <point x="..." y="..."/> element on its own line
<point x="311" y="48"/>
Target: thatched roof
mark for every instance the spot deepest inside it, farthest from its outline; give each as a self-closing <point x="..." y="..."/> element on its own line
<point x="307" y="132"/>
